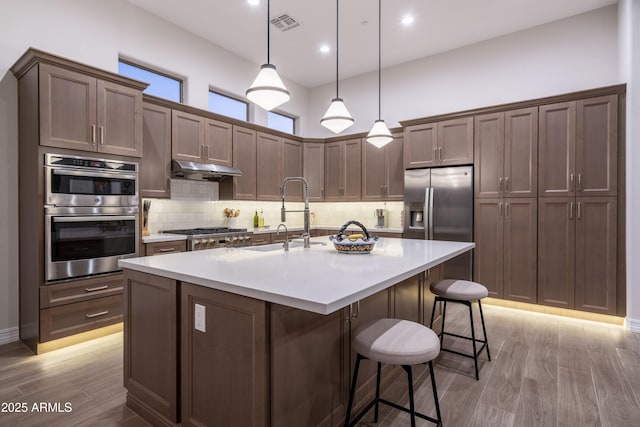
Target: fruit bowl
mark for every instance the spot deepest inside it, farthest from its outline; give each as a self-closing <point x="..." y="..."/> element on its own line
<point x="360" y="243"/>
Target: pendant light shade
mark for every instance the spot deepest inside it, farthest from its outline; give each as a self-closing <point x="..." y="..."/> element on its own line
<point x="337" y="118"/>
<point x="267" y="90"/>
<point x="379" y="134"/>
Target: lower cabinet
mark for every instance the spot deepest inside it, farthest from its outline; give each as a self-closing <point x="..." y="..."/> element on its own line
<point x="160" y="248"/>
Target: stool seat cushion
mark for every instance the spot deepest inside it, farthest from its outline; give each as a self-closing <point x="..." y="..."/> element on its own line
<point x="459" y="289"/>
<point x="396" y="342"/>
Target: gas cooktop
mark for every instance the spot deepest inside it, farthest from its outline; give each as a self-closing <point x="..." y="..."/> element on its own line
<point x="211" y="230"/>
<point x="214" y="237"/>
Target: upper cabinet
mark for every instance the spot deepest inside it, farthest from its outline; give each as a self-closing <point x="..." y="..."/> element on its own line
<point x="383" y="171"/>
<point x="198" y="139"/>
<point x="244" y="158"/>
<point x="83" y="112"/>
<point x="278" y="158"/>
<point x="443" y="143"/>
<point x="155" y="165"/>
<point x="578" y="148"/>
<point x="313" y="169"/>
<point x="343" y="176"/>
<point x="506" y="154"/>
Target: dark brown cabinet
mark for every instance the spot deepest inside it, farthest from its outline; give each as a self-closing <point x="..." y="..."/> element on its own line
<point x="383" y="171"/>
<point x="199" y="139"/>
<point x="313" y="169"/>
<point x="443" y="143"/>
<point x="278" y="158"/>
<point x="244" y="158"/>
<point x="506" y="154"/>
<point x="160" y="248"/>
<point x="577" y="253"/>
<point x="578" y="148"/>
<point x="506" y="245"/>
<point x="83" y="112"/>
<point x="218" y="145"/>
<point x="343" y="165"/>
<point x="155" y="165"/>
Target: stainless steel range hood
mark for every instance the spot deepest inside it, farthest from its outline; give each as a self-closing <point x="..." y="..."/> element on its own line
<point x="202" y="171"/>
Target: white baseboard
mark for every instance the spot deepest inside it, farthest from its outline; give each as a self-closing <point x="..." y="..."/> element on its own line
<point x="9" y="335"/>
<point x="632" y="324"/>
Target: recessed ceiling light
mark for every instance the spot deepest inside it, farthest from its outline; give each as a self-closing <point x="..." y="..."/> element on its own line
<point x="325" y="48"/>
<point x="407" y="20"/>
<point x="253" y="2"/>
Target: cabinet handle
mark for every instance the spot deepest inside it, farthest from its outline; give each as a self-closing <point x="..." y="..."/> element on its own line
<point x="500" y="211"/>
<point x="167" y="249"/>
<point x="579" y="210"/>
<point x="427" y="273"/>
<point x="201" y="151"/>
<point x="571" y="182"/>
<point x="206" y="151"/>
<point x="435" y="154"/>
<point x="97" y="288"/>
<point x="382" y="190"/>
<point x="580" y="182"/>
<point x="571" y="211"/>
<point x="101" y="135"/>
<point x="357" y="313"/>
<point x="501" y="185"/>
<point x="506" y="184"/>
<point x="322" y="192"/>
<point x="101" y="313"/>
<point x="506" y="210"/>
<point x="440" y="153"/>
<point x="93" y="134"/>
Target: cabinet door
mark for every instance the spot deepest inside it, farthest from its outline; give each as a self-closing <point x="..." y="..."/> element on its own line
<point x="489" y="155"/>
<point x="488" y="235"/>
<point x="395" y="168"/>
<point x="596" y="233"/>
<point x="455" y="142"/>
<point x="352" y="169"/>
<point x="218" y="142"/>
<point x="407" y="303"/>
<point x="556" y="251"/>
<point x="119" y="115"/>
<point x="420" y="146"/>
<point x="597" y="146"/>
<point x="557" y="140"/>
<point x="244" y="158"/>
<point x="292" y="166"/>
<point x="432" y="275"/>
<point x="67" y="109"/>
<point x="313" y="164"/>
<point x="155" y="165"/>
<point x="187" y="136"/>
<point x="374" y="178"/>
<point x="333" y="177"/>
<point x="520" y="249"/>
<point x="269" y="166"/>
<point x="521" y="153"/>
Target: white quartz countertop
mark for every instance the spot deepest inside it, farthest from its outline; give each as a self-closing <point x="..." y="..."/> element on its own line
<point x="154" y="238"/>
<point x="318" y="279"/>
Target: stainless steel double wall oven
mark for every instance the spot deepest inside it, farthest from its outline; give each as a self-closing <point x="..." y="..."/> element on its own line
<point x="91" y="215"/>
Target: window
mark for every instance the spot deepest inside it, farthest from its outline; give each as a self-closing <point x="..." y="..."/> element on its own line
<point x="160" y="85"/>
<point x="281" y="122"/>
<point x="228" y="106"/>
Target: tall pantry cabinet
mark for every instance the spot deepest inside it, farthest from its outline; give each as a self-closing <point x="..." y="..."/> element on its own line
<point x="577" y="205"/>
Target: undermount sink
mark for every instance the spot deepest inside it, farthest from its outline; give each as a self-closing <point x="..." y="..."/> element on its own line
<point x="278" y="246"/>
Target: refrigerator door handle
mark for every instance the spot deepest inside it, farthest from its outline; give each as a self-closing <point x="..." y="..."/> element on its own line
<point x="430" y="192"/>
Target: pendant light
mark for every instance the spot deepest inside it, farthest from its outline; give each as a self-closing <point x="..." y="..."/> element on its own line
<point x="337" y="117"/>
<point x="379" y="134"/>
<point x="267" y="90"/>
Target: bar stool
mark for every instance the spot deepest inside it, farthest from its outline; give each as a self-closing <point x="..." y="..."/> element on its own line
<point x="395" y="342"/>
<point x="462" y="292"/>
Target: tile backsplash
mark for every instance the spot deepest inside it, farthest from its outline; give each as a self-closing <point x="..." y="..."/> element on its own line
<point x="178" y="213"/>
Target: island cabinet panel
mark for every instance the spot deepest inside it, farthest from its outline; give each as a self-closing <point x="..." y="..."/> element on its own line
<point x="155" y="165"/>
<point x="313" y="169"/>
<point x="406" y="299"/>
<point x="429" y="277"/>
<point x="151" y="346"/>
<point x="224" y="358"/>
<point x="309" y="367"/>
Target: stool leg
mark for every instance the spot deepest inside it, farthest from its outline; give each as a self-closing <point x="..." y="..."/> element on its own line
<point x="353" y="391"/>
<point x="484" y="331"/>
<point x="412" y="408"/>
<point x="375" y="419"/>
<point x="444" y="313"/>
<point x="435" y="393"/>
<point x="473" y="338"/>
<point x="433" y="311"/>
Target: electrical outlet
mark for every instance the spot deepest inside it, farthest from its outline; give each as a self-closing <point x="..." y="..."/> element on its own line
<point x="200" y="318"/>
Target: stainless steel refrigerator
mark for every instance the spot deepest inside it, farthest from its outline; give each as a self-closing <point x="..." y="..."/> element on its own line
<point x="438" y="205"/>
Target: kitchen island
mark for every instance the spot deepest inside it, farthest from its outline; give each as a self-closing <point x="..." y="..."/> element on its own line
<point x="259" y="336"/>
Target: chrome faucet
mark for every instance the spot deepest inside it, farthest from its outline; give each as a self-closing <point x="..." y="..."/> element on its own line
<point x="285" y="245"/>
<point x="283" y="211"/>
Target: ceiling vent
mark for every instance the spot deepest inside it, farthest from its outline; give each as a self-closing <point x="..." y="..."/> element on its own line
<point x="285" y="22"/>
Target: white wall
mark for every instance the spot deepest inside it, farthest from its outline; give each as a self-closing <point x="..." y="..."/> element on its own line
<point x="565" y="56"/>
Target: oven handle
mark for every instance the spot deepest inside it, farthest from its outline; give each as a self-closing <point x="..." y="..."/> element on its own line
<point x="66" y="172"/>
<point x="86" y="218"/>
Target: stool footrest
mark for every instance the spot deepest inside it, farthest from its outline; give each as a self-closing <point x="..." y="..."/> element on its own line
<point x="464" y="354"/>
<point x="393" y="405"/>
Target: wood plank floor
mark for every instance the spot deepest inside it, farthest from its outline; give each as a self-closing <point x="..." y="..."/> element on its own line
<point x="545" y="371"/>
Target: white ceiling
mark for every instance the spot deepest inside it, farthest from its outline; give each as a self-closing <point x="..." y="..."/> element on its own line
<point x="439" y="26"/>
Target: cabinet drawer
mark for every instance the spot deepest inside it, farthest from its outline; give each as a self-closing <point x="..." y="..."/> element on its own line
<point x="279" y="238"/>
<point x="261" y="239"/>
<point x="80" y="290"/>
<point x="70" y="319"/>
<point x="160" y="248"/>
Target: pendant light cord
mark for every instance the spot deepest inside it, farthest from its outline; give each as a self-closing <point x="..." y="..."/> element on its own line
<point x="268" y="32"/>
<point x="337" y="44"/>
<point x="379" y="50"/>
